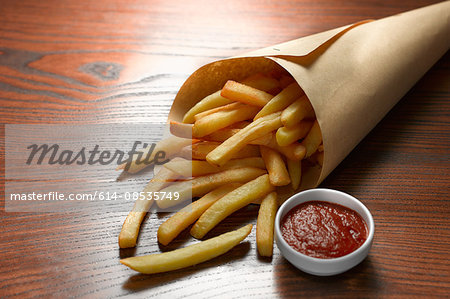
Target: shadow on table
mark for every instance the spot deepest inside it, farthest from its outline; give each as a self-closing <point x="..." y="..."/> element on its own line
<point x="357" y="281"/>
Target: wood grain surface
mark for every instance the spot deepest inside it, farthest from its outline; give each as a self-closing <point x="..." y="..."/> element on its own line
<point x="123" y="61"/>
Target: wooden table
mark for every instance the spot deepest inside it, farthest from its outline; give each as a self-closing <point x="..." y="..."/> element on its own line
<point x="121" y="61"/>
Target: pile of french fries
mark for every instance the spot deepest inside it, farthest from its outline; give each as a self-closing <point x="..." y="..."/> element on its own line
<point x="239" y="145"/>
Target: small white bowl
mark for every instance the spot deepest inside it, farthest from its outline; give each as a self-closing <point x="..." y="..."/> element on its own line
<point x="317" y="266"/>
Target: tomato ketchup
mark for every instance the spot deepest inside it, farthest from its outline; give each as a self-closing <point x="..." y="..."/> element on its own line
<point x="323" y="230"/>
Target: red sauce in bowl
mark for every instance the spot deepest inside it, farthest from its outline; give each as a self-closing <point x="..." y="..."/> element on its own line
<point x="323" y="230"/>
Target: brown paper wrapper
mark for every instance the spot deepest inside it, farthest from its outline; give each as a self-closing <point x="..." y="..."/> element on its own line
<point x="352" y="75"/>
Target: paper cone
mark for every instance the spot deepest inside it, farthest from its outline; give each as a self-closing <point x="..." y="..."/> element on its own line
<point x="352" y="75"/>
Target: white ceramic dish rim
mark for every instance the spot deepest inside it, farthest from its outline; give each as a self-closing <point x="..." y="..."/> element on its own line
<point x="281" y="213"/>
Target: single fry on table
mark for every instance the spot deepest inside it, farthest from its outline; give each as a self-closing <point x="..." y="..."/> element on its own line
<point x="130" y="228"/>
<point x="187" y="256"/>
<point x="265" y="224"/>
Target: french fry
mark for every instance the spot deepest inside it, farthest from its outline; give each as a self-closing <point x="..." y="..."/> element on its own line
<point x="286" y="136"/>
<point x="187" y="256"/>
<point x="223" y="134"/>
<point x="263" y="140"/>
<point x="239" y="92"/>
<point x="235" y="143"/>
<point x="222" y="119"/>
<point x="202" y="149"/>
<point x="312" y="140"/>
<point x="278" y="174"/>
<point x="181" y="129"/>
<point x="281" y="100"/>
<point x="320" y="158"/>
<point x="170" y="146"/>
<point x="262" y="82"/>
<point x="297" y="111"/>
<point x="199" y="151"/>
<point x="295" y="172"/>
<point x="230" y="203"/>
<point x="201" y="185"/>
<point x="265" y="224"/>
<point x="294" y="151"/>
<point x="228" y="107"/>
<point x="195" y="168"/>
<point x="212" y="101"/>
<point x="173" y="226"/>
<point x="257" y="162"/>
<point x="130" y="228"/>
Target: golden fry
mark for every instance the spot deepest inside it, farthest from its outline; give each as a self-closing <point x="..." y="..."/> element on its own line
<point x="235" y="143"/>
<point x="286" y="136"/>
<point x="245" y="94"/>
<point x="281" y="100"/>
<point x="198" y="150"/>
<point x="195" y="168"/>
<point x="297" y="111"/>
<point x="173" y="226"/>
<point x="312" y="140"/>
<point x="201" y="185"/>
<point x="228" y="107"/>
<point x="181" y="129"/>
<point x="295" y="172"/>
<point x="130" y="228"/>
<point x="278" y="174"/>
<point x="294" y="151"/>
<point x="187" y="256"/>
<point x="262" y="82"/>
<point x="202" y="149"/>
<point x="222" y="119"/>
<point x="230" y="203"/>
<point x="212" y="101"/>
<point x="223" y="134"/>
<point x="320" y="158"/>
<point x="265" y="224"/>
